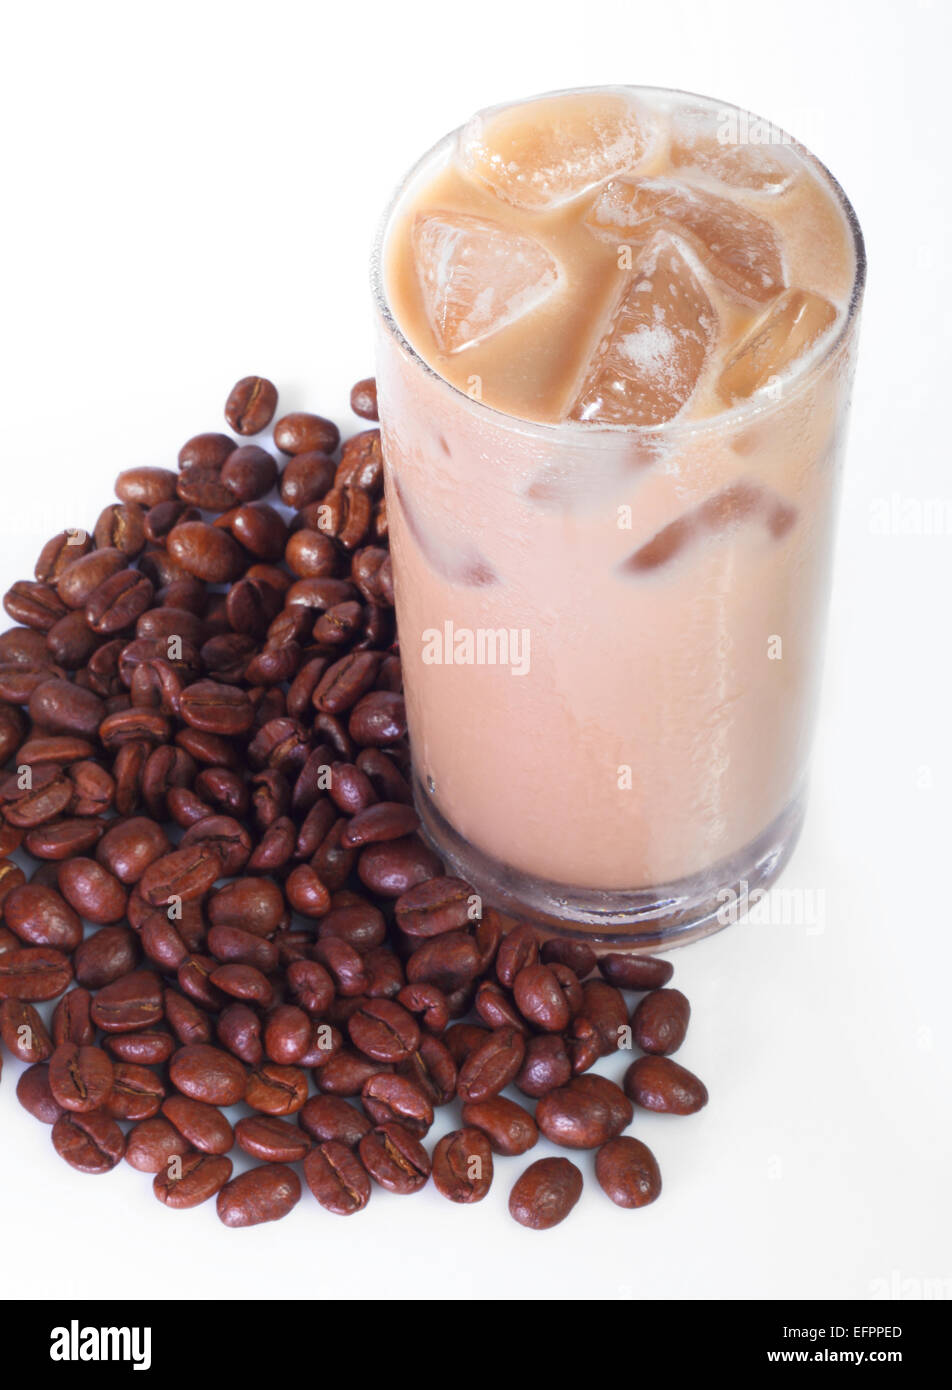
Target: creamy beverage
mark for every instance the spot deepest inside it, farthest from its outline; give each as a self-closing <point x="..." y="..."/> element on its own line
<point x="616" y="342"/>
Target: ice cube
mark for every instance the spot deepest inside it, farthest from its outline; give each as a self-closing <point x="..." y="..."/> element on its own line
<point x="540" y="153"/>
<point x="648" y="362"/>
<point x="451" y="559"/>
<point x="735" y="245"/>
<point x="789" y="328"/>
<point x="734" y="148"/>
<point x="739" y="503"/>
<point x="477" y="276"/>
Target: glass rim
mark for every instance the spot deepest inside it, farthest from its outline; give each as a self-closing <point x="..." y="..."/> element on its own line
<point x="593" y="432"/>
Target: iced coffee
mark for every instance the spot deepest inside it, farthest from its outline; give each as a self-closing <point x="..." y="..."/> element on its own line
<point x="616" y="339"/>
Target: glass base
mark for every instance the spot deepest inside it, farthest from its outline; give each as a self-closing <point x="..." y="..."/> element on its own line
<point x="637" y="919"/>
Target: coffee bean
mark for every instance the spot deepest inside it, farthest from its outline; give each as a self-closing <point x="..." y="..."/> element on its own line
<point x="24" y="1032"/>
<point x="271" y="1139"/>
<point x="90" y="1143"/>
<point x="463" y="1165"/>
<point x="276" y="1090"/>
<point x="81" y="1078"/>
<point x="34" y="973"/>
<point x="92" y="891"/>
<point x="492" y="1065"/>
<point x="301" y="433"/>
<point x="264" y="1193"/>
<point x="190" y="1180"/>
<point x="151" y="1143"/>
<point x="660" y="1022"/>
<point x="577" y="955"/>
<point x="136" y="1094"/>
<point x="202" y="1125"/>
<point x="146" y="486"/>
<point x="398" y="1099"/>
<point x="129" y="1003"/>
<point x="337" y="1178"/>
<point x="657" y="1083"/>
<point x="395" y="1159"/>
<point x="206" y="450"/>
<point x="384" y="1031"/>
<point x="40" y="917"/>
<point x="251" y="405"/>
<point x="363" y="398"/>
<point x="35" y="1095"/>
<point x="541" y="998"/>
<point x="545" y="1193"/>
<point x="207" y="1074"/>
<point x="635" y="972"/>
<point x="547" y="1065"/>
<point x="509" y="1129"/>
<point x="627" y="1172"/>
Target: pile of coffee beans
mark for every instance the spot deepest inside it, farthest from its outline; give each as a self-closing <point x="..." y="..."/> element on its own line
<point x="220" y="897"/>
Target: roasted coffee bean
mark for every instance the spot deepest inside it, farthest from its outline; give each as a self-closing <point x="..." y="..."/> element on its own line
<point x="151" y="1143"/>
<point x="105" y="957"/>
<point x="190" y="1180"/>
<point x="392" y="869"/>
<point x="81" y="1078"/>
<point x="240" y="1028"/>
<point x="509" y="1129"/>
<point x="398" y="1099"/>
<point x="492" y="1065"/>
<point x="71" y="1021"/>
<point x="287" y="1035"/>
<point x="207" y="1074"/>
<point x="209" y="450"/>
<point x="547" y="1065"/>
<point x="206" y="552"/>
<point x="251" y="404"/>
<point x="378" y="719"/>
<point x="201" y="1124"/>
<point x="35" y="1095"/>
<point x="332" y="1118"/>
<point x="395" y="1159"/>
<point x="149" y="1047"/>
<point x="276" y="1090"/>
<point x="541" y="998"/>
<point x="61" y="551"/>
<point x="657" y="1083"/>
<point x="136" y="1093"/>
<point x="118" y="601"/>
<point x="129" y="847"/>
<point x="185" y="874"/>
<point x="11" y="877"/>
<point x="146" y="486"/>
<point x="577" y="955"/>
<point x="92" y="891"/>
<point x="129" y="1003"/>
<point x="428" y="1003"/>
<point x="384" y="1031"/>
<point x="518" y="951"/>
<point x="628" y="1172"/>
<point x="433" y="1069"/>
<point x="660" y="1022"/>
<point x="91" y="1143"/>
<point x="361" y="463"/>
<point x="496" y="1009"/>
<point x="41" y="917"/>
<point x="271" y="1139"/>
<point x="345" y="1072"/>
<point x="34" y="973"/>
<point x="545" y="1193"/>
<point x="24" y="1032"/>
<point x="337" y="1178"/>
<point x="604" y="1007"/>
<point x="307" y="478"/>
<point x="265" y="1193"/>
<point x="577" y="1119"/>
<point x="635" y="972"/>
<point x="301" y="433"/>
<point x="463" y="1165"/>
<point x="363" y="398"/>
<point x="35" y="605"/>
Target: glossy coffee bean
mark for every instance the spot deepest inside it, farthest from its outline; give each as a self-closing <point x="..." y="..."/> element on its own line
<point x="635" y="972"/>
<point x="203" y="1126"/>
<point x="492" y="1065"/>
<point x="337" y="1178"/>
<point x="657" y="1083"/>
<point x="628" y="1172"/>
<point x="265" y="1193"/>
<point x="463" y="1165"/>
<point x="301" y="433"/>
<point x="151" y="1143"/>
<point x="395" y="1158"/>
<point x="271" y="1139"/>
<point x="660" y="1022"/>
<point x="509" y="1128"/>
<point x="81" y="1078"/>
<point x="23" y="1032"/>
<point x="251" y="404"/>
<point x="90" y="1143"/>
<point x="208" y="1074"/>
<point x="195" y="1178"/>
<point x="545" y="1193"/>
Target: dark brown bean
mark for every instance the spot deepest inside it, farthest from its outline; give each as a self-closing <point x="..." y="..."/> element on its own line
<point x="509" y="1128"/>
<point x="545" y="1193"/>
<point x="301" y="433"/>
<point x="265" y="1193"/>
<point x="463" y="1165"/>
<point x="657" y="1083"/>
<point x="337" y="1178"/>
<point x="189" y="1180"/>
<point x="251" y="405"/>
<point x="395" y="1159"/>
<point x="635" y="972"/>
<point x="628" y="1172"/>
<point x="90" y="1143"/>
<point x="660" y="1022"/>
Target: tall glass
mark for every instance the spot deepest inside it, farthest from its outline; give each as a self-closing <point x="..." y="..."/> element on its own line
<point x="609" y="751"/>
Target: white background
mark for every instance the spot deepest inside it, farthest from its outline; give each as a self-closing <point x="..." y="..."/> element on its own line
<point x="189" y="194"/>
